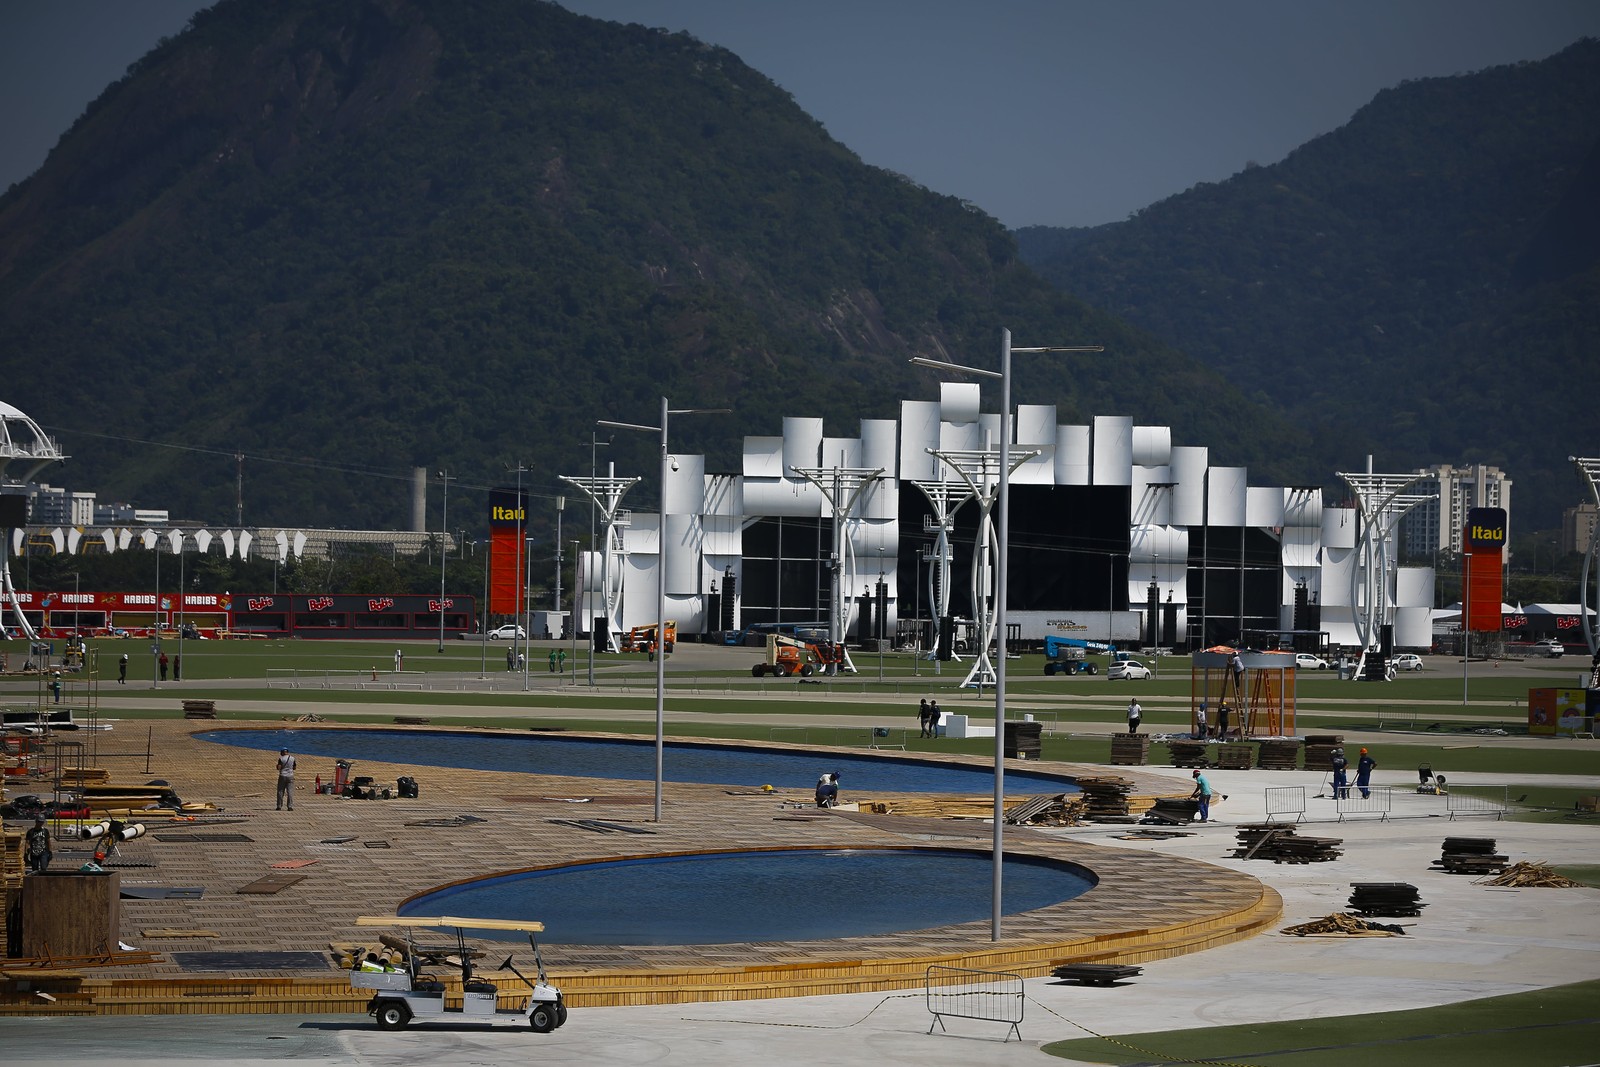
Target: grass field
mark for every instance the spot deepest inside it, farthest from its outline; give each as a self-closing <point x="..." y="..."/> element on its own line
<point x="1546" y="1028"/>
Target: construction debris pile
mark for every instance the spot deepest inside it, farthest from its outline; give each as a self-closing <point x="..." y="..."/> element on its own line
<point x="1130" y="750"/>
<point x="1171" y="811"/>
<point x="1531" y="876"/>
<point x="1280" y="844"/>
<point x="1385" y="898"/>
<point x="1341" y="925"/>
<point x="1469" y="855"/>
<point x="1058" y="809"/>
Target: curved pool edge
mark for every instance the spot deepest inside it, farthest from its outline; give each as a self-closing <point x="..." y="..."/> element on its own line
<point x="1146" y="906"/>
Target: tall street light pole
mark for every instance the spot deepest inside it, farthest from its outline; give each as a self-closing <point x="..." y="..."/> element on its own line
<point x="661" y="579"/>
<point x="572" y="630"/>
<point x="444" y="553"/>
<point x="594" y="447"/>
<point x="1000" y="592"/>
<point x="561" y="506"/>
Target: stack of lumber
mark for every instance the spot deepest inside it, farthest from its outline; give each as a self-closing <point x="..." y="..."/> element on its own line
<point x="1280" y="754"/>
<point x="1236" y="757"/>
<point x="1188" y="753"/>
<point x="73" y="777"/>
<point x="1130" y="750"/>
<point x="1101" y="974"/>
<point x="1341" y="925"/>
<point x="1469" y="855"/>
<point x="1280" y="844"/>
<point x="199" y="709"/>
<point x="1059" y="809"/>
<point x="1385" y="898"/>
<point x="1532" y="876"/>
<point x="1106" y="799"/>
<point x="1319" y="750"/>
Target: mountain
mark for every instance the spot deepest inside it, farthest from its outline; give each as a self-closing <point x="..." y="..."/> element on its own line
<point x="345" y="237"/>
<point x="1419" y="284"/>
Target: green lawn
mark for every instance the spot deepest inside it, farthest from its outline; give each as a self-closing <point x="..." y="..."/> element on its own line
<point x="1545" y="1028"/>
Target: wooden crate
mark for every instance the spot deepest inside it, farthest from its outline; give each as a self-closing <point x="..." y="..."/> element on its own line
<point x="70" y="914"/>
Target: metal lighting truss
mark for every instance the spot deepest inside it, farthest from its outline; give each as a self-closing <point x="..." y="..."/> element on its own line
<point x="981" y="472"/>
<point x="607" y="493"/>
<point x="841" y="487"/>
<point x="1383" y="505"/>
<point x="1589" y="468"/>
<point x="945" y="498"/>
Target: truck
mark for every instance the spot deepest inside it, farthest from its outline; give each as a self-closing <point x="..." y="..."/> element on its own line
<point x="787" y="656"/>
<point x="1069" y="655"/>
<point x="643" y="639"/>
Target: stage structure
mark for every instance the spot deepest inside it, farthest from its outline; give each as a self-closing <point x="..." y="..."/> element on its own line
<point x="841" y="488"/>
<point x="1589" y="471"/>
<point x="981" y="472"/>
<point x="606" y="493"/>
<point x="25" y="450"/>
<point x="1382" y="504"/>
<point x="945" y="498"/>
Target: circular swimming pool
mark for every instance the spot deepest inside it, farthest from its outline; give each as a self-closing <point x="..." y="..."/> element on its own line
<point x="634" y="760"/>
<point x="715" y="898"/>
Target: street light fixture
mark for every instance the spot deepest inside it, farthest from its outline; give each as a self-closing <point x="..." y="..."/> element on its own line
<point x="1004" y="374"/>
<point x="661" y="577"/>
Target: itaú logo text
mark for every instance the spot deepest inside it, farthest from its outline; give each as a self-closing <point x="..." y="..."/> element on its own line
<point x="500" y="514"/>
<point x="1486" y="535"/>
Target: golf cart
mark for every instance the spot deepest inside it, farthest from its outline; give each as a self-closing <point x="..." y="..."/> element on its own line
<point x="402" y="991"/>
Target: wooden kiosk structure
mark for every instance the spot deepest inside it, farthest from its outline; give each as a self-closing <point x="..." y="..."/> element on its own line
<point x="1263" y="706"/>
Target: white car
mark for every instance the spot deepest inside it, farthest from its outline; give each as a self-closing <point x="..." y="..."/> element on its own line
<point x="509" y="632"/>
<point x="1130" y="669"/>
<point x="1406" y="661"/>
<point x="1305" y="661"/>
<point x="1549" y="647"/>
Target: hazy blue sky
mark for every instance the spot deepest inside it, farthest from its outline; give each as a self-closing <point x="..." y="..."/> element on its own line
<point x="1063" y="112"/>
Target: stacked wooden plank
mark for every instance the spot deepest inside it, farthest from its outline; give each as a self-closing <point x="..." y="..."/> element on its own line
<point x="1280" y="844"/>
<point x="1189" y="753"/>
<point x="1236" y="757"/>
<point x="1319" y="750"/>
<point x="1059" y="809"/>
<point x="1385" y="898"/>
<point x="1130" y="750"/>
<point x="1469" y="855"/>
<point x="1101" y="974"/>
<point x="1106" y="799"/>
<point x="199" y="709"/>
<point x="1279" y="754"/>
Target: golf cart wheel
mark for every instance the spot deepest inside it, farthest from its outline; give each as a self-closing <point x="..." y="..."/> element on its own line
<point x="561" y="1015"/>
<point x="393" y="1015"/>
<point x="543" y="1018"/>
<point x="805" y="671"/>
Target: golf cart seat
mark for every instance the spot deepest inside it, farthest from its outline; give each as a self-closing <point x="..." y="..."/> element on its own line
<point x="478" y="985"/>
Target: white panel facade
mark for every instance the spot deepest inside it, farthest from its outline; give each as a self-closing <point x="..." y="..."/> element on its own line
<point x="1413" y="587"/>
<point x="1152" y="446"/>
<point x="683" y="554"/>
<point x="919" y="431"/>
<point x="1073" y="454"/>
<point x="1225" y="496"/>
<point x="962" y="437"/>
<point x="1302" y="508"/>
<point x="786" y="497"/>
<point x="1300" y="546"/>
<point x="1339" y="527"/>
<point x="875" y="540"/>
<point x="880" y="499"/>
<point x="1036" y="432"/>
<point x="1338" y="566"/>
<point x="686" y="486"/>
<point x="1150" y="503"/>
<point x="878" y="438"/>
<point x="802" y="443"/>
<point x="959" y="402"/>
<point x="722" y="535"/>
<point x="1113" y="449"/>
<point x="841" y="452"/>
<point x="763" y="457"/>
<point x="1188" y="468"/>
<point x="1413" y="628"/>
<point x="1263" y="507"/>
<point x="724" y="495"/>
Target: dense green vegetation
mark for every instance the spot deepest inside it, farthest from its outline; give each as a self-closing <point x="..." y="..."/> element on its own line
<point x="1419" y="284"/>
<point x="346" y="237"/>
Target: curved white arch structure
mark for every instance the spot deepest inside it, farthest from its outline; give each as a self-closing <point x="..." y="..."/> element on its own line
<point x="25" y="445"/>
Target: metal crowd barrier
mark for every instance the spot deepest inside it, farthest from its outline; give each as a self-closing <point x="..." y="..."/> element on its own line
<point x="992" y="996"/>
<point x="1379" y="803"/>
<point x="1283" y="800"/>
<point x="1457" y="803"/>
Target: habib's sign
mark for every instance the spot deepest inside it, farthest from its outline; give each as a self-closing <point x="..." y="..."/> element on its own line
<point x="1485" y="530"/>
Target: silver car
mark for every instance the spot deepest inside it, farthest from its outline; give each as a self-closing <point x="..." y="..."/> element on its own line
<point x="1406" y="661"/>
<point x="1130" y="669"/>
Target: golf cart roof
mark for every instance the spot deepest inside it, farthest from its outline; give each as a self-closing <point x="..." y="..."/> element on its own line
<point x="525" y="925"/>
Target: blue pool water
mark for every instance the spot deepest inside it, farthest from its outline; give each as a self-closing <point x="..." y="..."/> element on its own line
<point x="729" y="897"/>
<point x="730" y="765"/>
